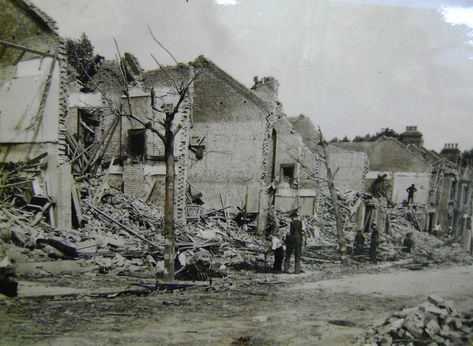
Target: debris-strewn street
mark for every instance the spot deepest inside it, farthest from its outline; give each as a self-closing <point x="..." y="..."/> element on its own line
<point x="150" y="196"/>
<point x="328" y="306"/>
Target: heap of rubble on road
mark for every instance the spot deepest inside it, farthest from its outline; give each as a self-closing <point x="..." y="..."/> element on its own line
<point x="428" y="250"/>
<point x="435" y="322"/>
<point x="122" y="234"/>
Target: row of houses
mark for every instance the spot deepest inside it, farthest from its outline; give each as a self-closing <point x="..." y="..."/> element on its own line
<point x="444" y="184"/>
<point x="235" y="145"/>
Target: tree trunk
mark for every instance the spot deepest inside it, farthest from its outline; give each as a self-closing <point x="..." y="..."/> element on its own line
<point x="338" y="221"/>
<point x="342" y="248"/>
<point x="170" y="239"/>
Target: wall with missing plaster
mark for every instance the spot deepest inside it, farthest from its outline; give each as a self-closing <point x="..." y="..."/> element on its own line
<point x="296" y="169"/>
<point x="351" y="168"/>
<point x="137" y="149"/>
<point x="29" y="103"/>
<point x="388" y="154"/>
<point x="237" y="131"/>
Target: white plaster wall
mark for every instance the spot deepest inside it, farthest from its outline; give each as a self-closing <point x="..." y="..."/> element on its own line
<point x="402" y="180"/>
<point x="20" y="99"/>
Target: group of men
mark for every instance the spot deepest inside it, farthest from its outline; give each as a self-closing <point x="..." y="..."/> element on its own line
<point x="359" y="243"/>
<point x="283" y="251"/>
<point x="291" y="245"/>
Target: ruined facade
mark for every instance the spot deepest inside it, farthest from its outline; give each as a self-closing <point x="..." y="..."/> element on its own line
<point x="33" y="101"/>
<point x="126" y="149"/>
<point x="405" y="162"/>
<point x="252" y="155"/>
<point x="296" y="170"/>
<point x="460" y="196"/>
<point x="234" y="127"/>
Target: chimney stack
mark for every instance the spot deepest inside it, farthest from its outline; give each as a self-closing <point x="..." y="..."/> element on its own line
<point x="412" y="136"/>
<point x="266" y="88"/>
<point x="451" y="152"/>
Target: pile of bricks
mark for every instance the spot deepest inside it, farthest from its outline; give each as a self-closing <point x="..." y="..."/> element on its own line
<point x="435" y="322"/>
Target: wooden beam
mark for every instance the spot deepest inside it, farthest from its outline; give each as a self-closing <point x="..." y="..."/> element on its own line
<point x="18" y="59"/>
<point x="30" y="50"/>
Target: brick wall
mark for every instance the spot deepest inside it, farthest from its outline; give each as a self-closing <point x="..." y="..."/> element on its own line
<point x="237" y="141"/>
<point x="133" y="179"/>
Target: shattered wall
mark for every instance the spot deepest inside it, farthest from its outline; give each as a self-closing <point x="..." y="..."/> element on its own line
<point x="388" y="154"/>
<point x="291" y="152"/>
<point x="237" y="134"/>
<point x="351" y="168"/>
<point x="33" y="98"/>
<point x="138" y="152"/>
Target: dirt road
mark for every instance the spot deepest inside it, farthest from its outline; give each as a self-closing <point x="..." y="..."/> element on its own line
<point x="271" y="310"/>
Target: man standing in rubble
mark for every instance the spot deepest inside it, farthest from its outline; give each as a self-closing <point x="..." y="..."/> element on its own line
<point x="408" y="243"/>
<point x="359" y="245"/>
<point x="294" y="243"/>
<point x="375" y="241"/>
<point x="411" y="190"/>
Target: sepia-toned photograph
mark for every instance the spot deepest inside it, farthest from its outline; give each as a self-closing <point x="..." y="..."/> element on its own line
<point x="236" y="172"/>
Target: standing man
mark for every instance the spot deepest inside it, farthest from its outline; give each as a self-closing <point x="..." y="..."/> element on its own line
<point x="375" y="241"/>
<point x="294" y="243"/>
<point x="408" y="244"/>
<point x="359" y="245"/>
<point x="277" y="248"/>
<point x="411" y="190"/>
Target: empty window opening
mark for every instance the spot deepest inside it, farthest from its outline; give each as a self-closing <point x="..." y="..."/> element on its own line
<point x="137" y="142"/>
<point x="287" y="174"/>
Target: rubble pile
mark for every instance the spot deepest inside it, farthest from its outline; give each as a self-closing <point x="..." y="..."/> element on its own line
<point x="435" y="322"/>
<point x="213" y="246"/>
<point x="208" y="246"/>
<point x="323" y="241"/>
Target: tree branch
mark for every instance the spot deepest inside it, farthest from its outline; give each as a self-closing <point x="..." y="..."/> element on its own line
<point x="161" y="45"/>
<point x="166" y="71"/>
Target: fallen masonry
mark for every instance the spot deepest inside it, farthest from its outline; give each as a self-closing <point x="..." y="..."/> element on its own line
<point x="434" y="322"/>
<point x="118" y="234"/>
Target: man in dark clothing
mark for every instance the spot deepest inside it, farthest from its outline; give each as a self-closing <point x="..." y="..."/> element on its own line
<point x="294" y="244"/>
<point x="408" y="243"/>
<point x="375" y="241"/>
<point x="359" y="245"/>
<point x="411" y="190"/>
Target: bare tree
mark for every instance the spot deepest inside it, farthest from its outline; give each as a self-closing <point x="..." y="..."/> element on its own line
<point x="167" y="134"/>
<point x="333" y="195"/>
<point x="322" y="144"/>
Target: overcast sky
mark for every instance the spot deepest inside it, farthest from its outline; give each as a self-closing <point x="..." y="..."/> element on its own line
<point x="353" y="66"/>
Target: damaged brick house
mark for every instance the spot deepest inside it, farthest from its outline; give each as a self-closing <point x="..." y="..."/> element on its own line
<point x="460" y="197"/>
<point x="405" y="162"/>
<point x="297" y="165"/>
<point x="229" y="151"/>
<point x="253" y="155"/>
<point x="130" y="154"/>
<point x="33" y="105"/>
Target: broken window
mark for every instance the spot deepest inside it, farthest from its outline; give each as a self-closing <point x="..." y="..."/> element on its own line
<point x="137" y="142"/>
<point x="287" y="174"/>
<point x="86" y="125"/>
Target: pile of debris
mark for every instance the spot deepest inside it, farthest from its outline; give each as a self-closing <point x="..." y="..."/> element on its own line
<point x="435" y="322"/>
<point x="429" y="249"/>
